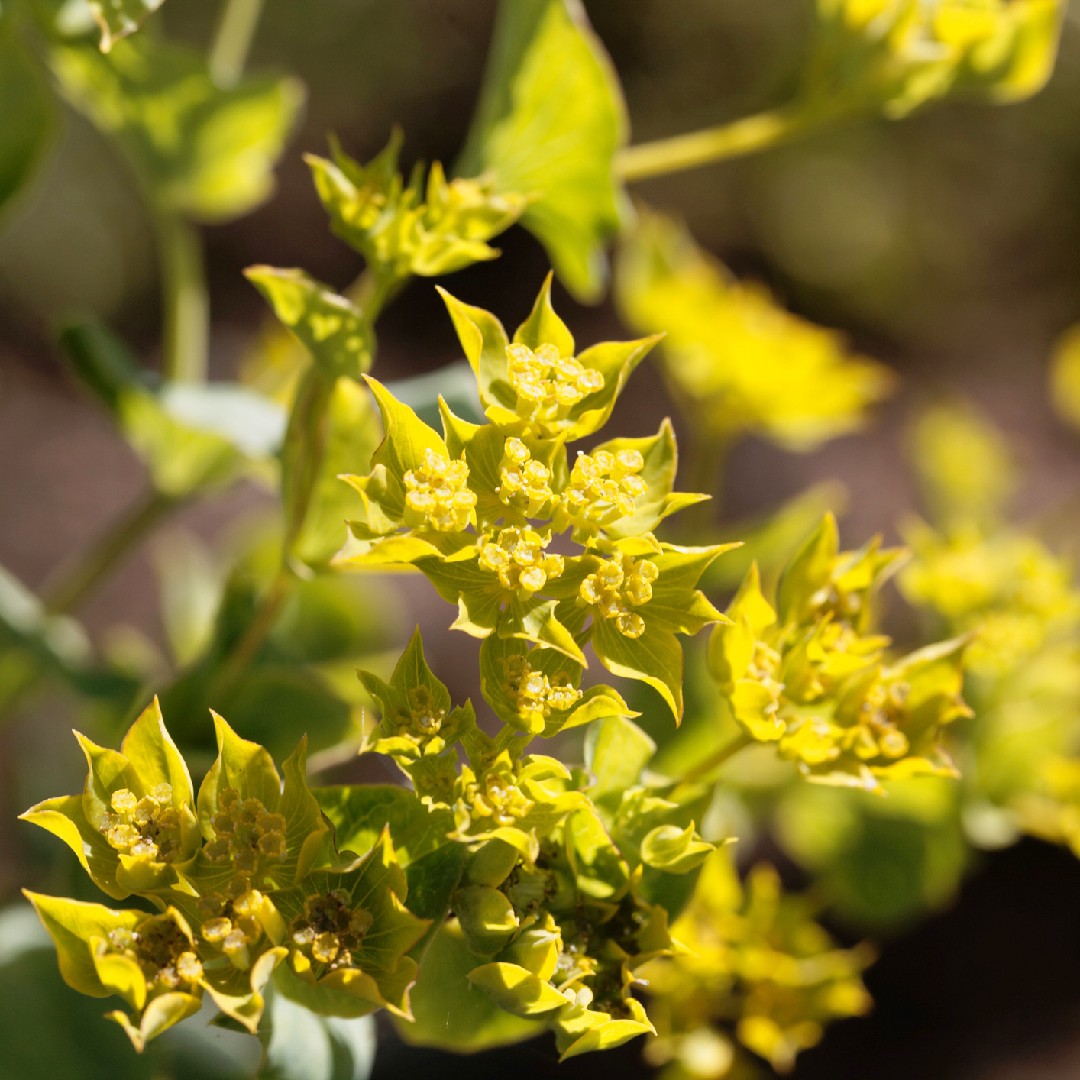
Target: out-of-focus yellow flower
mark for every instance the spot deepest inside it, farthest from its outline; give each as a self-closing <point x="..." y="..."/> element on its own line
<point x="1005" y="587"/>
<point x="738" y="361"/>
<point x="807" y="674"/>
<point x="895" y="55"/>
<point x="750" y="958"/>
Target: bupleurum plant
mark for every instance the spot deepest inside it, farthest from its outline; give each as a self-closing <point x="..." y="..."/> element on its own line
<point x="495" y="890"/>
<point x="558" y="885"/>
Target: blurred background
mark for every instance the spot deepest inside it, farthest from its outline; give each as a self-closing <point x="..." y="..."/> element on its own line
<point x="944" y="245"/>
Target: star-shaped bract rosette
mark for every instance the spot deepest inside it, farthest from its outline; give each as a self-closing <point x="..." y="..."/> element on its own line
<point x="533" y="382"/>
<point x="133" y="827"/>
<point x="349" y="935"/>
<point x="257" y="828"/>
<point x="622" y="488"/>
<point x="634" y="602"/>
<point x="537" y="690"/>
<point x="416" y="500"/>
<point x="416" y="717"/>
<point x="148" y="960"/>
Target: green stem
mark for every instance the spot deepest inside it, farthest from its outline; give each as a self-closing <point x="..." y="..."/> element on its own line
<point x="307" y="423"/>
<point x="186" y="307"/>
<point x="72" y="585"/>
<point x="715" y="760"/>
<point x="680" y="152"/>
<point x="232" y="40"/>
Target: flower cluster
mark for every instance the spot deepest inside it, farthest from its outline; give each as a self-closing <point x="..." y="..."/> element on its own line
<point x="735" y="360"/>
<point x="404" y="227"/>
<point x="974" y="572"/>
<point x="231" y="872"/>
<point x="755" y="963"/>
<point x="552" y="912"/>
<point x="899" y="54"/>
<point x="479" y="508"/>
<point x="809" y="675"/>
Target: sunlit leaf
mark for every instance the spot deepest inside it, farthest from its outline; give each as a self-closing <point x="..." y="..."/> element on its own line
<point x="189" y="437"/>
<point x="204" y="151"/>
<point x="549" y="122"/>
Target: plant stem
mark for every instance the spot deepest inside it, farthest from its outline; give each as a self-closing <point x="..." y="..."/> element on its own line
<point x="680" y="152"/>
<point x="232" y="40"/>
<point x="715" y="760"/>
<point x="72" y="585"/>
<point x="309" y="412"/>
<point x="186" y="308"/>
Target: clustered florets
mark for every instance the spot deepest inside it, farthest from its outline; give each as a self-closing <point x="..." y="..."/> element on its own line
<point x="230" y="920"/>
<point x="524" y="482"/>
<point x="147" y="828"/>
<point x="618" y="585"/>
<point x="534" y="693"/>
<point x="548" y="385"/>
<point x="330" y="930"/>
<point x="161" y="949"/>
<point x="246" y="833"/>
<point x="437" y="495"/>
<point x="604" y="486"/>
<point x="518" y="557"/>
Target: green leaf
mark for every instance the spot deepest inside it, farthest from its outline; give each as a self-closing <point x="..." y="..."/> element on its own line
<point x="448" y="1010"/>
<point x="360" y="812"/>
<point x="204" y="151"/>
<point x="654" y="658"/>
<point x="808" y="570"/>
<point x="674" y="850"/>
<point x="119" y="18"/>
<point x="26" y="105"/>
<point x="616" y="752"/>
<point x="544" y="327"/>
<point x="72" y="925"/>
<point x="516" y="989"/>
<point x="407" y="437"/>
<point x="188" y="437"/>
<point x="299" y="1045"/>
<point x="484" y="342"/>
<point x="244" y="766"/>
<point x="333" y="330"/>
<point x="432" y="879"/>
<point x="487" y="918"/>
<point x="549" y="122"/>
